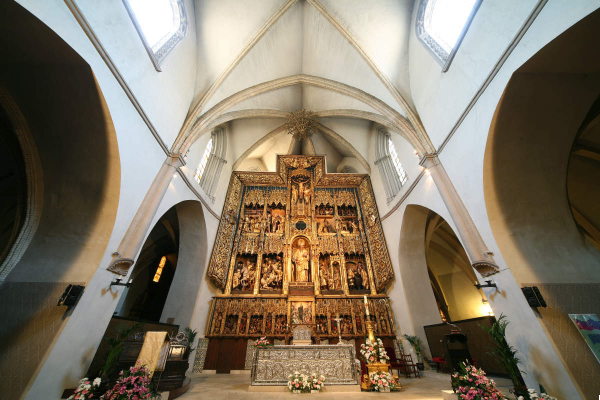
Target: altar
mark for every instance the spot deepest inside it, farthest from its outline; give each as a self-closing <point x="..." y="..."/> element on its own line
<point x="272" y="365"/>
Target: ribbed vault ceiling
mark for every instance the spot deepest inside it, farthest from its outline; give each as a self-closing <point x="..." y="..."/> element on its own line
<point x="346" y="60"/>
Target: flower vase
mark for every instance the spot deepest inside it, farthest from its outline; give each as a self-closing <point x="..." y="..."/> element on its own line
<point x="296" y="391"/>
<point x="314" y="391"/>
<point x="385" y="389"/>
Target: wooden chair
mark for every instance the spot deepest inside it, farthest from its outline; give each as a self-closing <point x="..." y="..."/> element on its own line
<point x="440" y="364"/>
<point x="395" y="364"/>
<point x="409" y="366"/>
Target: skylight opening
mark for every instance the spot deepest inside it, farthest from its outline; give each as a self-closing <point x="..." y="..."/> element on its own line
<point x="159" y="20"/>
<point x="202" y="166"/>
<point x="396" y="161"/>
<point x="447" y="20"/>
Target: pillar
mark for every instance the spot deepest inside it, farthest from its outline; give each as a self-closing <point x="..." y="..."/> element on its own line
<point x="481" y="258"/>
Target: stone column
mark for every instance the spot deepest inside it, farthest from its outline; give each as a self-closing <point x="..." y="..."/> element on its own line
<point x="480" y="256"/>
<point x="134" y="238"/>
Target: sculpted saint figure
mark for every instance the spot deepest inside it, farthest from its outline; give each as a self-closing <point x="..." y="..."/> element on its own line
<point x="301" y="259"/>
<point x="363" y="273"/>
<point x="294" y="194"/>
<point x="323" y="276"/>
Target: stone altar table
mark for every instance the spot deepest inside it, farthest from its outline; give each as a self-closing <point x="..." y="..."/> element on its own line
<point x="272" y="365"/>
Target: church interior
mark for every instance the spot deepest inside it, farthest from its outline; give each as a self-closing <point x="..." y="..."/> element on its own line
<point x="262" y="198"/>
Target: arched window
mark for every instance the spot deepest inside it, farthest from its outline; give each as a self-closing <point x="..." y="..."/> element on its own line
<point x="392" y="174"/>
<point x="202" y="166"/>
<point x="210" y="166"/>
<point x="396" y="161"/>
<point x="442" y="25"/>
<point x="161" y="24"/>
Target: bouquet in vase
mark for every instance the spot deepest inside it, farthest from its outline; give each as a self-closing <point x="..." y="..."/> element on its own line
<point x="262" y="342"/>
<point x="472" y="384"/>
<point x="382" y="381"/>
<point x="316" y="382"/>
<point x="133" y="384"/>
<point x="374" y="352"/>
<point x="297" y="382"/>
<point x="87" y="390"/>
<point x="533" y="395"/>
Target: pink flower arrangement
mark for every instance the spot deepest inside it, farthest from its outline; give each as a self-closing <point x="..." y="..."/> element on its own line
<point x="472" y="384"/>
<point x="132" y="385"/>
<point x="382" y="380"/>
<point x="262" y="342"/>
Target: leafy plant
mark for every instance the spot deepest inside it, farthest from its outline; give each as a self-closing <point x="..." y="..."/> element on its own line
<point x="416" y="344"/>
<point x="191" y="335"/>
<point x="506" y="355"/>
<point x="116" y="347"/>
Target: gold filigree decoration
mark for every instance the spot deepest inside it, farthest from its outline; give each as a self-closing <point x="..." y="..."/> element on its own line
<point x="254" y="196"/>
<point x="277" y="196"/>
<point x="348" y="180"/>
<point x="345" y="197"/>
<point x="249" y="243"/>
<point x="323" y="196"/>
<point x="302" y="124"/>
<point x="352" y="244"/>
<point x="259" y="178"/>
<point x="382" y="265"/>
<point x="273" y="244"/>
<point x="328" y="244"/>
<point x="219" y="260"/>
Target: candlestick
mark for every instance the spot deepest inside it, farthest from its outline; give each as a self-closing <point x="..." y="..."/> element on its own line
<point x="366" y="305"/>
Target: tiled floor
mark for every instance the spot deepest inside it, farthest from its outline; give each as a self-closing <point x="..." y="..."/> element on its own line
<point x="235" y="387"/>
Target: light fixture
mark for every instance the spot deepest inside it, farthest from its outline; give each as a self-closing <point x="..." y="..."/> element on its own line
<point x="117" y="282"/>
<point x="159" y="270"/>
<point x="488" y="283"/>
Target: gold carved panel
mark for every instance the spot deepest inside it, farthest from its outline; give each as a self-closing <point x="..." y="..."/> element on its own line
<point x="382" y="265"/>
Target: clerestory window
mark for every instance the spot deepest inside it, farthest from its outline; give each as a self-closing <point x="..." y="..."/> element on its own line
<point x="391" y="171"/>
<point x="202" y="165"/>
<point x="442" y="24"/>
<point x="161" y="24"/>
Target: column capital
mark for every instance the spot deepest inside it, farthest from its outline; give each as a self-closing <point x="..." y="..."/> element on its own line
<point x="429" y="160"/>
<point x="175" y="159"/>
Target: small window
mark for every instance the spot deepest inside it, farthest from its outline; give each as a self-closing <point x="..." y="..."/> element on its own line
<point x="396" y="161"/>
<point x="442" y="25"/>
<point x="203" y="161"/>
<point x="161" y="25"/>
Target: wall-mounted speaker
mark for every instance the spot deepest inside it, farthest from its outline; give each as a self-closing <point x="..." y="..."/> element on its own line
<point x="533" y="296"/>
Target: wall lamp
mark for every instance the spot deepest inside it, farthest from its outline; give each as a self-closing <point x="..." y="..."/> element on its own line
<point x="117" y="282"/>
<point x="487" y="284"/>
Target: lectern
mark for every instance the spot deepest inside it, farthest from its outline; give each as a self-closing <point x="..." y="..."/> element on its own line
<point x="457" y="350"/>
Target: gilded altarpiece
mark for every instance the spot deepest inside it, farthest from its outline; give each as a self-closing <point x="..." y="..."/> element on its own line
<point x="299" y="246"/>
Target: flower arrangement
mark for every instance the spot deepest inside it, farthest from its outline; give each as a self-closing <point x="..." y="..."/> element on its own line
<point x="472" y="384"/>
<point x="132" y="385"/>
<point x="87" y="390"/>
<point x="381" y="381"/>
<point x="533" y="395"/>
<point x="262" y="342"/>
<point x="315" y="382"/>
<point x="297" y="382"/>
<point x="374" y="352"/>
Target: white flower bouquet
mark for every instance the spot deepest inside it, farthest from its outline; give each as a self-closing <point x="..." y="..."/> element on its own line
<point x="297" y="382"/>
<point x="533" y="395"/>
<point x="316" y="382"/>
<point x="381" y="381"/>
<point x="374" y="352"/>
<point x="87" y="390"/>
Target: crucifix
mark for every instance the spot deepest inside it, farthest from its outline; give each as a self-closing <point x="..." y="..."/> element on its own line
<point x="338" y="319"/>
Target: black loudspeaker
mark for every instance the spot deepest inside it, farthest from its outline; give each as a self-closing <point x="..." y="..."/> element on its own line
<point x="533" y="296"/>
<point x="70" y="295"/>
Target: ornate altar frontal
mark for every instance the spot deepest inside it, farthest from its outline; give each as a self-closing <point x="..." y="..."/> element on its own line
<point x="299" y="247"/>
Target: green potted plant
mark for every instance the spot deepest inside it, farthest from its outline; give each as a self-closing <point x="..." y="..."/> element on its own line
<point x="506" y="355"/>
<point x="417" y="345"/>
<point x="191" y="337"/>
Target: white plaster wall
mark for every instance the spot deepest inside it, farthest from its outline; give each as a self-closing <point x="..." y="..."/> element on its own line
<point x="165" y="96"/>
<point x="463" y="160"/>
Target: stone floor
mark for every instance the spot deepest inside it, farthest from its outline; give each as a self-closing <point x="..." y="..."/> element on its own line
<point x="235" y="387"/>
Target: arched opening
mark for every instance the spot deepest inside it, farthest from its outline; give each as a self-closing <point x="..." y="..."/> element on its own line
<point x="168" y="259"/>
<point x="541" y="185"/>
<point x="439" y="284"/>
<point x="53" y="104"/>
